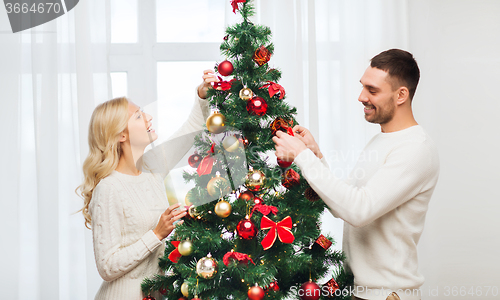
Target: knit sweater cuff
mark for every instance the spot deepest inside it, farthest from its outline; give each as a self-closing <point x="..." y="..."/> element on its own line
<point x="150" y="240"/>
<point x="305" y="158"/>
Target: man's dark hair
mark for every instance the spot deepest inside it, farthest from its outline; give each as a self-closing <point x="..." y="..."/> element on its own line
<point x="401" y="67"/>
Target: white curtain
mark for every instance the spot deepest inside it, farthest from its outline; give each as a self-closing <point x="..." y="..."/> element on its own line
<point x="323" y="47"/>
<point x="53" y="76"/>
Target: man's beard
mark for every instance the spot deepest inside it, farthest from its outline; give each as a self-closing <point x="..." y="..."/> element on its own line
<point x="381" y="115"/>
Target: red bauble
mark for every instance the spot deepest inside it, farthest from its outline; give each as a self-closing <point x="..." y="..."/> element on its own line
<point x="225" y="68"/>
<point x="246" y="229"/>
<point x="247" y="196"/>
<point x="196" y="298"/>
<point x="149" y="298"/>
<point x="284" y="164"/>
<point x="273" y="286"/>
<point x="256" y="293"/>
<point x="194" y="160"/>
<point x="258" y="200"/>
<point x="309" y="291"/>
<point x="257" y="106"/>
<point x="163" y="291"/>
<point x="290" y="178"/>
<point x="183" y="298"/>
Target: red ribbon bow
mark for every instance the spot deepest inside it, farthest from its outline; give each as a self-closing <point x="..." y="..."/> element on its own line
<point x="223" y="85"/>
<point x="274" y="88"/>
<point x="234" y="4"/>
<point x="175" y="255"/>
<point x="264" y="209"/>
<point x="280" y="229"/>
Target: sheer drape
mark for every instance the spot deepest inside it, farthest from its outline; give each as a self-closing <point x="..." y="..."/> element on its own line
<point x="323" y="47"/>
<point x="52" y="77"/>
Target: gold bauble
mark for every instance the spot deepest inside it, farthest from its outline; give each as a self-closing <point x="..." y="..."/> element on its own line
<point x="185" y="247"/>
<point x="189" y="197"/>
<point x="246" y="94"/>
<point x="255" y="180"/>
<point x="223" y="209"/>
<point x="206" y="267"/>
<point x="192" y="211"/>
<point x="231" y="143"/>
<point x="185" y="289"/>
<point x="216" y="123"/>
<point x="218" y="187"/>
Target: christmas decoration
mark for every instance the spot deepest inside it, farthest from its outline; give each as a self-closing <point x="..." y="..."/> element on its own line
<point x="254" y="106"/>
<point x="274" y="88"/>
<point x="282" y="125"/>
<point x="207" y="163"/>
<point x="265" y="209"/>
<point x="234" y="4"/>
<point x="185" y="247"/>
<point x="240" y="257"/>
<point x="246" y="229"/>
<point x="284" y="164"/>
<point x="196" y="298"/>
<point x="207" y="267"/>
<point x="273" y="286"/>
<point x="280" y="229"/>
<point x="311" y="195"/>
<point x="255" y="180"/>
<point x="194" y="160"/>
<point x="225" y="68"/>
<point x="257" y="106"/>
<point x="192" y="212"/>
<point x="258" y="200"/>
<point x="185" y="289"/>
<point x="247" y="196"/>
<point x="244" y="141"/>
<point x="175" y="255"/>
<point x="223" y="209"/>
<point x="322" y="242"/>
<point x="261" y="56"/>
<point x="332" y="286"/>
<point x="246" y="94"/>
<point x="216" y="123"/>
<point x="217" y="186"/>
<point x="290" y="178"/>
<point x="309" y="291"/>
<point x="256" y="293"/>
<point x="149" y="298"/>
<point x="231" y="143"/>
<point x="163" y="291"/>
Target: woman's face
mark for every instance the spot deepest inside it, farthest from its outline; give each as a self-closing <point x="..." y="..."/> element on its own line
<point x="140" y="128"/>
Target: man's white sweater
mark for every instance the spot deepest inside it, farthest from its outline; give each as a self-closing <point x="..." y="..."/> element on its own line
<point x="383" y="204"/>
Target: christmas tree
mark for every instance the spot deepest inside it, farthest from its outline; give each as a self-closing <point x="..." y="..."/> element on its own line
<point x="259" y="234"/>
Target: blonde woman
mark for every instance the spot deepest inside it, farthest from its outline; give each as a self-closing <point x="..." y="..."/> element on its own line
<point x="124" y="197"/>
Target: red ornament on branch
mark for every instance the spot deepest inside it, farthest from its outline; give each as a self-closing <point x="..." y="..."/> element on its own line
<point x="281" y="229"/>
<point x="284" y="164"/>
<point x="290" y="178"/>
<point x="281" y="125"/>
<point x="261" y="56"/>
<point x="247" y="196"/>
<point x="274" y="88"/>
<point x="265" y="209"/>
<point x="256" y="293"/>
<point x="309" y="291"/>
<point x="322" y="242"/>
<point x="246" y="229"/>
<point x="257" y="106"/>
<point x="225" y="68"/>
<point x="240" y="257"/>
<point x="194" y="160"/>
<point x="206" y="165"/>
<point x="223" y="85"/>
<point x="234" y="4"/>
<point x="332" y="286"/>
<point x="273" y="286"/>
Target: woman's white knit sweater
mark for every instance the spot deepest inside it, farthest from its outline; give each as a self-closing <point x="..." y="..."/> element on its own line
<point x="125" y="209"/>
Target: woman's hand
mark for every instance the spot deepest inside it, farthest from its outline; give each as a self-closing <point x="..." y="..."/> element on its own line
<point x="208" y="78"/>
<point x="166" y="223"/>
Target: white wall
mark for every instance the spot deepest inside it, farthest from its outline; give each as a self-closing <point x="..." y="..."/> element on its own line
<point x="457" y="45"/>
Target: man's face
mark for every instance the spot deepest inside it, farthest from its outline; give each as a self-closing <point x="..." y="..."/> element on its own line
<point x="377" y="96"/>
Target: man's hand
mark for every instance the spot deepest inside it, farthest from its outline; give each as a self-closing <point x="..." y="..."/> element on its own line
<point x="287" y="146"/>
<point x="306" y="137"/>
<point x="208" y="78"/>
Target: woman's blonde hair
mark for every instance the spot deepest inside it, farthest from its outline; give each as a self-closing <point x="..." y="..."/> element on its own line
<point x="107" y="123"/>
